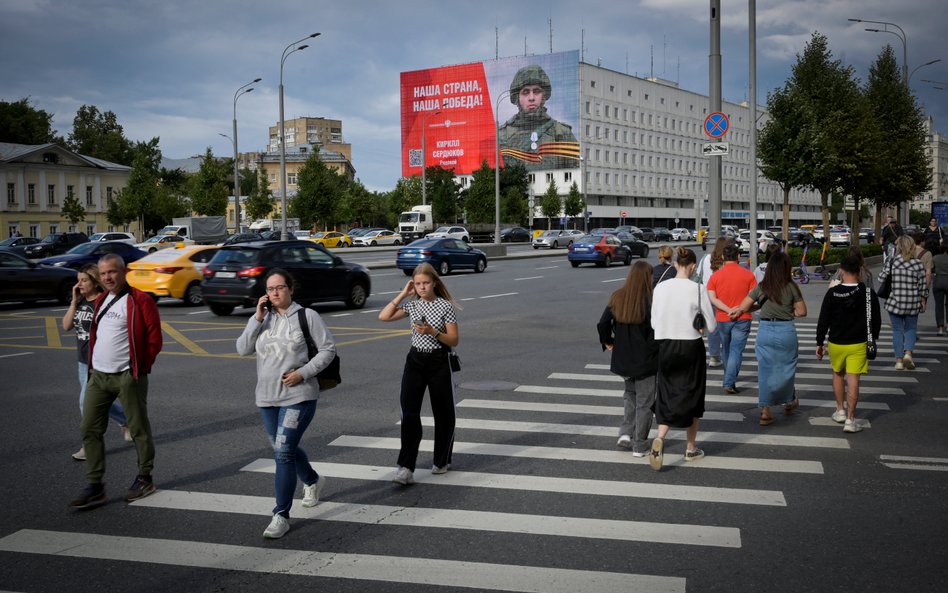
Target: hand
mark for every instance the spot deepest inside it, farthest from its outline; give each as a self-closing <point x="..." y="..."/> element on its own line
<point x="608" y="346"/>
<point x="76" y="293"/>
<point x="424" y="328"/>
<point x="292" y="378"/>
<point x="409" y="290"/>
<point x="820" y="350"/>
<point x="262" y="307"/>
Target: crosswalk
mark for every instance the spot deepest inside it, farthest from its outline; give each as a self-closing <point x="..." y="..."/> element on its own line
<point x="508" y="442"/>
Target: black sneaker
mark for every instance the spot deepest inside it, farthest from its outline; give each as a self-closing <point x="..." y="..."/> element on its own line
<point x="140" y="488"/>
<point x="92" y="496"/>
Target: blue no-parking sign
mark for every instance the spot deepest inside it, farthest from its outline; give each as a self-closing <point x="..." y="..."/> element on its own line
<point x="716" y="124"/>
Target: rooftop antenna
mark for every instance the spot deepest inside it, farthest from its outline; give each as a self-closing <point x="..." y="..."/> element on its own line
<point x="678" y="72"/>
<point x="496" y="42"/>
<point x="551" y="35"/>
<point x="582" y="45"/>
<point x="524" y="45"/>
<point x="626" y="62"/>
<point x="664" y="47"/>
<point x="651" y="61"/>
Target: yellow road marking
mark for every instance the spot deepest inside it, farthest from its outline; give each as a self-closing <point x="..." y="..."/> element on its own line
<point x="52" y="333"/>
<point x="179" y="338"/>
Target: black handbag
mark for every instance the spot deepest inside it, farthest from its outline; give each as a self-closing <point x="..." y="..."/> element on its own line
<point x="330" y="376"/>
<point x="871" y="346"/>
<point x="699" y="322"/>
<point x="454" y="360"/>
<point x="886" y="288"/>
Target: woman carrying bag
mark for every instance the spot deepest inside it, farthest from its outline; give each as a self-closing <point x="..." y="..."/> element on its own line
<point x="907" y="298"/>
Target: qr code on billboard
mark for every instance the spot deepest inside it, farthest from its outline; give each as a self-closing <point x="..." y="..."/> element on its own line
<point x="414" y="158"/>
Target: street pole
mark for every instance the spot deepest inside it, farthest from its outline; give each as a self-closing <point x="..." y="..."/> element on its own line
<point x="582" y="162"/>
<point x="241" y="91"/>
<point x="424" y="155"/>
<point x="497" y="166"/>
<point x="752" y="93"/>
<point x="714" y="87"/>
<point x="284" y="235"/>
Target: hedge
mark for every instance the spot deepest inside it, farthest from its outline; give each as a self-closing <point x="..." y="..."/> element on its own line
<point x="834" y="255"/>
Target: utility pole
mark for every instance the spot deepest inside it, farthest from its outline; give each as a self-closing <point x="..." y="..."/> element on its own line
<point x="714" y="93"/>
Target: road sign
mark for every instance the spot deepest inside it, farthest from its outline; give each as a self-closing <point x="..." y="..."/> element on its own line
<point x="715" y="148"/>
<point x="623" y="214"/>
<point x="716" y="124"/>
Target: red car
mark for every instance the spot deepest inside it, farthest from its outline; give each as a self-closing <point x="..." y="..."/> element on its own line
<point x="601" y="250"/>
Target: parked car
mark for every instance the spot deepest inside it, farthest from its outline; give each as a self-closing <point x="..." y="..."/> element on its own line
<point x="638" y="247"/>
<point x="515" y="234"/>
<point x="445" y="254"/>
<point x="273" y="235"/>
<point x="603" y="230"/>
<point x="18" y="245"/>
<point x="159" y="242"/>
<point x="359" y="231"/>
<point x="840" y="235"/>
<point x="114" y="236"/>
<point x="867" y="234"/>
<point x="302" y="235"/>
<point x="235" y="275"/>
<point x="662" y="234"/>
<point x="648" y="234"/>
<point x="450" y="232"/>
<point x="332" y="239"/>
<point x="764" y="239"/>
<point x="799" y="238"/>
<point x="173" y="273"/>
<point x="26" y="281"/>
<point x="55" y="244"/>
<point x="681" y="235"/>
<point x="556" y="238"/>
<point x="374" y="238"/>
<point x="601" y="250"/>
<point x="90" y="253"/>
<point x="243" y="238"/>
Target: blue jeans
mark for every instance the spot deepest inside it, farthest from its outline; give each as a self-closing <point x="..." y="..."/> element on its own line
<point x="733" y="339"/>
<point x="116" y="412"/>
<point x="903" y="333"/>
<point x="285" y="427"/>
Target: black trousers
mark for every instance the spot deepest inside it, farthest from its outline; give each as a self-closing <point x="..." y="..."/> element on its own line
<point x="429" y="371"/>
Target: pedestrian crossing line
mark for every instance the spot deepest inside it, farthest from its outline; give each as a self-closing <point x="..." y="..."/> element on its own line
<point x="796" y="466"/>
<point x="902" y="378"/>
<point x="827" y="421"/>
<point x="931" y="464"/>
<point x="582" y="429"/>
<point x="529" y="483"/>
<point x="490" y="404"/>
<point x="558" y="526"/>
<point x="813" y="389"/>
<point x="365" y="567"/>
<point x="720" y="372"/>
<point x="817" y="365"/>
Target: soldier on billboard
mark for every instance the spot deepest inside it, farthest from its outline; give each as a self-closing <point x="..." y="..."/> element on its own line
<point x="532" y="137"/>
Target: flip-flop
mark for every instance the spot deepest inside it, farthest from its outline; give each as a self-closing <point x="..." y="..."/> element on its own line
<point x="792" y="406"/>
<point x="766" y="420"/>
<point x="655" y="455"/>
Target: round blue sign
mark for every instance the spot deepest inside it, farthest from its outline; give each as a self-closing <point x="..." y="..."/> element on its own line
<point x="716" y="124"/>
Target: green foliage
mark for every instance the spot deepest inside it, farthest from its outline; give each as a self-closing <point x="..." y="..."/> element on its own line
<point x="443" y="192"/>
<point x="99" y="135"/>
<point x="919" y="217"/>
<point x="21" y="123"/>
<point x="550" y="205"/>
<point x="514" y="176"/>
<point x="480" y="200"/>
<point x="259" y="202"/>
<point x="72" y="209"/>
<point x="248" y="181"/>
<point x="513" y="207"/>
<point x="407" y="193"/>
<point x="573" y="205"/>
<point x="319" y="192"/>
<point x="362" y="206"/>
<point x="208" y="187"/>
<point x="834" y="255"/>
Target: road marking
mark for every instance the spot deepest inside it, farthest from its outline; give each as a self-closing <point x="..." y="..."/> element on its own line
<point x="17" y="354"/>
<point x="931" y="464"/>
<point x="558" y="526"/>
<point x="613" y="280"/>
<point x="828" y="388"/>
<point x="491" y="404"/>
<point x="342" y="315"/>
<point x="529" y="278"/>
<point x="827" y="421"/>
<point x="818" y="365"/>
<point x="388" y="292"/>
<point x="181" y="339"/>
<point x="368" y="567"/>
<point x="469" y="299"/>
<point x="902" y="378"/>
<point x="364" y="311"/>
<point x="494" y="296"/>
<point x="594" y="455"/>
<point x="53" y="338"/>
<point x="728" y="399"/>
<point x="547" y="268"/>
<point x="620" y="488"/>
<point x="201" y="312"/>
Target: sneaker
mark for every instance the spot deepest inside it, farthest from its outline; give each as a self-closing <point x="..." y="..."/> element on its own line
<point x="731" y="390"/>
<point x="92" y="496"/>
<point x="941" y="331"/>
<point x="311" y="492"/>
<point x="625" y="442"/>
<point x="694" y="455"/>
<point x="127" y="435"/>
<point x="639" y="453"/>
<point x="898" y="365"/>
<point x="277" y="528"/>
<point x="80" y="455"/>
<point x="140" y="488"/>
<point x="435" y="470"/>
<point x="714" y="361"/>
<point x="907" y="362"/>
<point x="839" y="416"/>
<point x="851" y="425"/>
<point x="655" y="455"/>
<point x="404" y="476"/>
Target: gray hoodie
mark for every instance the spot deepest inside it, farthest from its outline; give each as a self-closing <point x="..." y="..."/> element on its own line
<point x="280" y="348"/>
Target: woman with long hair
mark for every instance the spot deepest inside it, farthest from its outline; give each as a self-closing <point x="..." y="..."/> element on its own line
<point x="681" y="377"/>
<point x="711" y="263"/>
<point x="664" y="270"/>
<point x="625" y="329"/>
<point x="434" y="331"/>
<point x="87" y="289"/>
<point x="780" y="301"/>
<point x="908" y="298"/>
<point x="940" y="286"/>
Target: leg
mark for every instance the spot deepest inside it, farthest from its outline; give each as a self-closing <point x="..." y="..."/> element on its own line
<point x="441" y="391"/>
<point x="642" y="423"/>
<point x="714" y="342"/>
<point x="724" y="329"/>
<point x="692" y="434"/>
<point x="134" y="396"/>
<point x="83" y="381"/>
<point x="100" y="393"/>
<point x="739" y="332"/>
<point x="939" y="293"/>
<point x="898" y="338"/>
<point x="911" y="332"/>
<point x="628" y="408"/>
<point x="412" y="395"/>
<point x="117" y="413"/>
<point x="838" y="392"/>
<point x="292" y="422"/>
<point x="852" y="397"/>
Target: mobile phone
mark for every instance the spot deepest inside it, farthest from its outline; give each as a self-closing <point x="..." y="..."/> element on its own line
<point x="421" y="320"/>
<point x="268" y="305"/>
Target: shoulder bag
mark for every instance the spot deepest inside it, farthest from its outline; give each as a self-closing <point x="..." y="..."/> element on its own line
<point x="699" y="322"/>
<point x="871" y="349"/>
<point x="330" y="376"/>
<point x="886" y="288"/>
<point x="454" y="360"/>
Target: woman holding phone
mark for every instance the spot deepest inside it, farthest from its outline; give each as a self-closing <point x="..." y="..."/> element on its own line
<point x="434" y="331"/>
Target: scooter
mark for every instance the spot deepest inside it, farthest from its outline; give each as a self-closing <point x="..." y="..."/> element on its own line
<point x="803" y="276"/>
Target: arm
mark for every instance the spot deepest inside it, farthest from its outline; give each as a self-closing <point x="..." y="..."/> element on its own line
<point x="876" y="317"/>
<point x="822" y="325"/>
<point x="152" y="329"/>
<point x="68" y="322"/>
<point x="799" y="305"/>
<point x="604" y="327"/>
<point x="247" y="342"/>
<point x="391" y="311"/>
<point x="449" y="337"/>
<point x="325" y="344"/>
<point x="708" y="311"/>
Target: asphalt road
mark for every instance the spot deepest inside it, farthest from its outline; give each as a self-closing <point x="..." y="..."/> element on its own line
<point x="538" y="498"/>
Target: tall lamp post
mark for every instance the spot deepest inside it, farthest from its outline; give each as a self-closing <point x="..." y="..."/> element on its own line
<point x="424" y="155"/>
<point x="497" y="166"/>
<point x="916" y="69"/>
<point x="900" y="34"/>
<point x="293" y="47"/>
<point x="241" y="91"/>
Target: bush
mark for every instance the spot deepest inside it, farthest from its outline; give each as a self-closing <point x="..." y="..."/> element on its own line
<point x="834" y="255"/>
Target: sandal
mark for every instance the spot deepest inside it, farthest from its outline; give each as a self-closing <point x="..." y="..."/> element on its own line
<point x="792" y="406"/>
<point x="766" y="420"/>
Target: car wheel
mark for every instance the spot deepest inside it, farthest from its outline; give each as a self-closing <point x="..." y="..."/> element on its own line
<point x="444" y="268"/>
<point x="605" y="263"/>
<point x="481" y="265"/>
<point x="222" y="310"/>
<point x="408" y="272"/>
<point x="555" y="245"/>
<point x="357" y="296"/>
<point x="536" y="246"/>
<point x="343" y="244"/>
<point x="397" y="242"/>
<point x="64" y="292"/>
<point x="575" y="264"/>
<point x="628" y="259"/>
<point x="466" y="239"/>
<point x="193" y="295"/>
<point x="645" y="252"/>
<point x="152" y="250"/>
<point x="374" y="243"/>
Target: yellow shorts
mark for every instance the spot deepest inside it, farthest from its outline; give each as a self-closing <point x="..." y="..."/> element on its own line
<point x="849" y="358"/>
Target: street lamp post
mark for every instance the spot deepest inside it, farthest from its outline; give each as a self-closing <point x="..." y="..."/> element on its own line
<point x="424" y="155"/>
<point x="293" y="47"/>
<point x="916" y="69"/>
<point x="497" y="166"/>
<point x="241" y="91"/>
<point x="900" y="34"/>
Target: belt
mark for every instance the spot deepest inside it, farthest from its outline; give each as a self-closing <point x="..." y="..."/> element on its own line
<point x="773" y="319"/>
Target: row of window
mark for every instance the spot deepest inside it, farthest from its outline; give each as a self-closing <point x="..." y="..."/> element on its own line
<point x="676" y="203"/>
<point x="683" y="126"/>
<point x="51" y="194"/>
<point x="33" y="229"/>
<point x="658" y="142"/>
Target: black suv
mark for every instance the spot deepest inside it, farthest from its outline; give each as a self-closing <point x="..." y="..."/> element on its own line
<point x="55" y="244"/>
<point x="235" y="276"/>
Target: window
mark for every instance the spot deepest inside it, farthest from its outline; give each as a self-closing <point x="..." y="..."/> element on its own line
<point x="662" y="100"/>
<point x="607" y="156"/>
<point x="108" y="194"/>
<point x="549" y="177"/>
<point x="646" y="96"/>
<point x="532" y="178"/>
<point x="88" y="195"/>
<point x="90" y="230"/>
<point x="587" y="130"/>
<point x="568" y="176"/>
<point x="11" y="193"/>
<point x="607" y="179"/>
<point x="597" y="155"/>
<point x="629" y="92"/>
<point x="70" y="191"/>
<point x="291" y="178"/>
<point x="53" y="228"/>
<point x="51" y="195"/>
<point x="31" y="195"/>
<point x="587" y="107"/>
<point x="612" y="88"/>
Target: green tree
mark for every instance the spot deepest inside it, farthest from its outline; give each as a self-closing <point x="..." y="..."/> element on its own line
<point x="259" y="202"/>
<point x="443" y="192"/>
<point x="779" y="148"/>
<point x="513" y="207"/>
<point x="21" y="123"/>
<point x="99" y="135"/>
<point x="407" y="193"/>
<point x="515" y="176"/>
<point x="362" y="206"/>
<point x="72" y="209"/>
<point x="573" y="205"/>
<point x="551" y="205"/>
<point x="319" y="191"/>
<point x="479" y="202"/>
<point x="208" y="187"/>
<point x="138" y="198"/>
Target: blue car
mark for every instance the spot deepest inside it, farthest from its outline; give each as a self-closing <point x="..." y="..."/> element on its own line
<point x="601" y="250"/>
<point x="90" y="253"/>
<point x="446" y="255"/>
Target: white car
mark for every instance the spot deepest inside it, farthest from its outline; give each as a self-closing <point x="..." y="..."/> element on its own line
<point x="681" y="235"/>
<point x="162" y="242"/>
<point x="115" y="236"/>
<point x="764" y="239"/>
<point x="303" y="235"/>
<point x="450" y="232"/>
<point x="556" y="238"/>
<point x="840" y="235"/>
<point x="373" y="238"/>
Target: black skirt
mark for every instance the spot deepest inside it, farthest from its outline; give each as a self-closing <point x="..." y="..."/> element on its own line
<point x="681" y="382"/>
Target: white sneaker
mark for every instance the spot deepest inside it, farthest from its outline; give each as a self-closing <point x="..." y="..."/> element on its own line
<point x="404" y="476"/>
<point x="277" y="527"/>
<point x="311" y="492"/>
<point x="941" y="331"/>
<point x="80" y="455"/>
<point x="625" y="442"/>
<point x="839" y="416"/>
<point x="908" y="363"/>
<point x="640" y="453"/>
<point x="440" y="470"/>
<point x="714" y="361"/>
<point x="851" y="425"/>
<point x="899" y="366"/>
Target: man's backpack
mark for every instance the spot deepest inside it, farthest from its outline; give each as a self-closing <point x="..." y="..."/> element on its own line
<point x="329" y="377"/>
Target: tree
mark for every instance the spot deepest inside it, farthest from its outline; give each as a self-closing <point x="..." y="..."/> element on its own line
<point x="319" y="191"/>
<point x="73" y="209"/>
<point x="138" y="198"/>
<point x="573" y="204"/>
<point x="99" y="135"/>
<point x="259" y="202"/>
<point x="779" y="148"/>
<point x="513" y="207"/>
<point x="209" y="195"/>
<point x="21" y="123"/>
<point x="479" y="202"/>
<point x="362" y="206"/>
<point x="551" y="206"/>
<point x="443" y="192"/>
<point x="407" y="193"/>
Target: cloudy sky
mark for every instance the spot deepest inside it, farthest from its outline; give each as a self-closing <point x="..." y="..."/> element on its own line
<point x="170" y="68"/>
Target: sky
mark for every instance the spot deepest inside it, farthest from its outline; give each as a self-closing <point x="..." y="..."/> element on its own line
<point x="170" y="68"/>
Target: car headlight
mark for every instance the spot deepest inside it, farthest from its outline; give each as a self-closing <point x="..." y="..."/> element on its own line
<point x="59" y="264"/>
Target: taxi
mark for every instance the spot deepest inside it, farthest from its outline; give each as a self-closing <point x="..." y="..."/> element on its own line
<point x="332" y="239"/>
<point x="173" y="273"/>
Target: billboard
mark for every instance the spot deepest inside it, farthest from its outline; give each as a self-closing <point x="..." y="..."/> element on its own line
<point x="529" y="105"/>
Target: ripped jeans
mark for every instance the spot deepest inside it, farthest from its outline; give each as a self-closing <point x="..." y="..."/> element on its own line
<point x="285" y="427"/>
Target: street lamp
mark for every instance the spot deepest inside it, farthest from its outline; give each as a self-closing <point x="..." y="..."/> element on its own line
<point x="497" y="166"/>
<point x="912" y="73"/>
<point x="240" y="91"/>
<point x="293" y="47"/>
<point x="900" y="34"/>
<point x="424" y="154"/>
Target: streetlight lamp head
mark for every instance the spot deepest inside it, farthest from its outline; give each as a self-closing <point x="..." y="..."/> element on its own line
<point x="248" y="90"/>
<point x="256" y="80"/>
<point x="875" y="30"/>
<point x="302" y="47"/>
<point x="855" y="20"/>
<point x="315" y="35"/>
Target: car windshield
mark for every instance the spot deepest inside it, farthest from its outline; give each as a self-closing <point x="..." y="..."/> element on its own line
<point x="319" y="235"/>
<point x="97" y="237"/>
<point x="443" y="229"/>
<point x="235" y="256"/>
<point x="589" y="239"/>
<point x="83" y="248"/>
<point x="408" y="217"/>
<point x="154" y="239"/>
<point x="50" y="239"/>
<point x="551" y="233"/>
<point x="424" y="244"/>
<point x="8" y="242"/>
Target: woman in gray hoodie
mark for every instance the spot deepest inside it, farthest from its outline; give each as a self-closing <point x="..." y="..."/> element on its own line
<point x="287" y="388"/>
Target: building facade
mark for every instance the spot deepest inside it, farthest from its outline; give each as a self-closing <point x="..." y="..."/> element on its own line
<point x="311" y="131"/>
<point x="937" y="152"/>
<point x="38" y="179"/>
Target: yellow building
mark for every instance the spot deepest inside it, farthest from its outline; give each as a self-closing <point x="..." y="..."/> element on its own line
<point x="38" y="178"/>
<point x="311" y="131"/>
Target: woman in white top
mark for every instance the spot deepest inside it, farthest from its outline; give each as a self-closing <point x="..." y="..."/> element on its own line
<point x="681" y="357"/>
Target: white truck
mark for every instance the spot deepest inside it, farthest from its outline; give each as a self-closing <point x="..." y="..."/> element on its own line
<point x="206" y="230"/>
<point x="415" y="223"/>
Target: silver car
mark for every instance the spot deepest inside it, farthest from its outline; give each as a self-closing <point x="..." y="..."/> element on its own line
<point x="554" y="239"/>
<point x="681" y="235"/>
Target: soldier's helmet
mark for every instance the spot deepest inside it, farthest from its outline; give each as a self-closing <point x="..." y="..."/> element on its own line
<point x="532" y="74"/>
